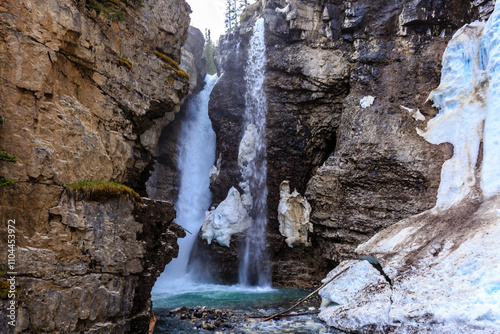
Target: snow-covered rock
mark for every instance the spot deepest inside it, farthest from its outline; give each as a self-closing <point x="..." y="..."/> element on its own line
<point x="228" y="218"/>
<point x="293" y="216"/>
<point x="348" y="312"/>
<point x="444" y="267"/>
<point x="441" y="267"/>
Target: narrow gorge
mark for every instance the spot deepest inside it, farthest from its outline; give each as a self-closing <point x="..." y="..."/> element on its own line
<point x="353" y="138"/>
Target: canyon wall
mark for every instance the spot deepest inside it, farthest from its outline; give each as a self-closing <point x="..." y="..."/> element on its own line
<point x="86" y="89"/>
<point x="347" y="84"/>
<point x="437" y="272"/>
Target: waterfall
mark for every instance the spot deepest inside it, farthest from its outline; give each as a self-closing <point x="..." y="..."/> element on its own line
<point x="196" y="156"/>
<point x="252" y="160"/>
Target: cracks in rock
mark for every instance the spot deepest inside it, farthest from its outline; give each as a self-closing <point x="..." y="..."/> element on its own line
<point x="378" y="266"/>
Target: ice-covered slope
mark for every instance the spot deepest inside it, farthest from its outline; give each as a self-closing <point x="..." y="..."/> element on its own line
<point x="439" y="272"/>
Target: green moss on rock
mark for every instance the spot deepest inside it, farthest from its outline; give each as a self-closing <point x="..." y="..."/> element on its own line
<point x="5" y="290"/>
<point x="4" y="182"/>
<point x="125" y="62"/>
<point x="99" y="190"/>
<point x="172" y="64"/>
<point x="180" y="72"/>
<point x="7" y="157"/>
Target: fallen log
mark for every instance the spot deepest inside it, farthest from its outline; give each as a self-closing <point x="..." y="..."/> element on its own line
<point x="152" y="324"/>
<point x="280" y="314"/>
<point x="283" y="315"/>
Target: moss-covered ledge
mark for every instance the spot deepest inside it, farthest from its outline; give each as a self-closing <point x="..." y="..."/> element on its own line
<point x="101" y="190"/>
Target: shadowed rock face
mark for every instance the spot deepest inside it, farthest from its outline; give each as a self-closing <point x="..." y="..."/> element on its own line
<point x="362" y="168"/>
<point x="84" y="97"/>
<point x="163" y="182"/>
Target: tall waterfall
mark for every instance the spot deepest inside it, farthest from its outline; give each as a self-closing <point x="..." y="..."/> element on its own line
<point x="252" y="160"/>
<point x="196" y="156"/>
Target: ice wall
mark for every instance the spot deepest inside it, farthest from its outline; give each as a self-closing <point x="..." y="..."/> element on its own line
<point x="468" y="99"/>
<point x="490" y="48"/>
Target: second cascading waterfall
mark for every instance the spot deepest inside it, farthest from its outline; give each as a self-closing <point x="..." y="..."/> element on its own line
<point x="252" y="160"/>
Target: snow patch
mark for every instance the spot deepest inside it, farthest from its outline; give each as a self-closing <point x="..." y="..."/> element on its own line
<point x="293" y="216"/>
<point x="417" y="115"/>
<point x="366" y="101"/>
<point x="283" y="10"/>
<point x="445" y="278"/>
<point x="228" y="218"/>
<point x="339" y="308"/>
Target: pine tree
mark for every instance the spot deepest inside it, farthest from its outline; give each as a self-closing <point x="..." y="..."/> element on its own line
<point x="241" y="8"/>
<point x="229" y="21"/>
<point x="208" y="53"/>
<point x="234" y="9"/>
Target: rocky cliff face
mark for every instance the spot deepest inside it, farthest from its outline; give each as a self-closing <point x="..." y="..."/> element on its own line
<point x="86" y="89"/>
<point x="163" y="183"/>
<point x="346" y="83"/>
<point x="94" y="269"/>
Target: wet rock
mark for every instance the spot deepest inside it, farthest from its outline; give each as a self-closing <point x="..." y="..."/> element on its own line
<point x="209" y="319"/>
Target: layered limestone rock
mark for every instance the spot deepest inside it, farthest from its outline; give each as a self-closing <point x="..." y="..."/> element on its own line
<point x="84" y="96"/>
<point x="359" y="161"/>
<point x="82" y="91"/>
<point x="92" y="266"/>
<point x="192" y="60"/>
<point x="438" y="271"/>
